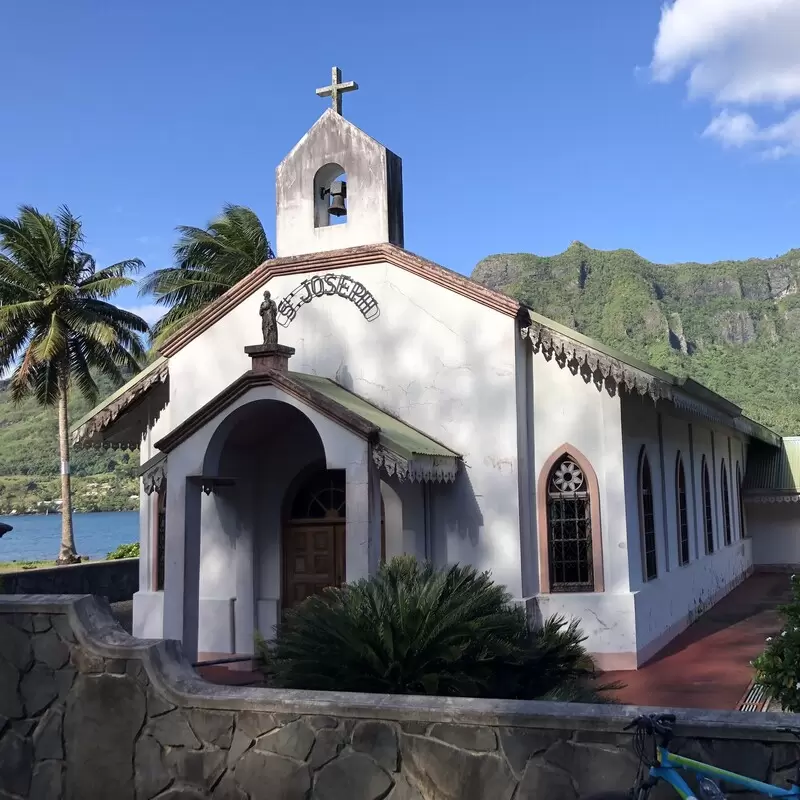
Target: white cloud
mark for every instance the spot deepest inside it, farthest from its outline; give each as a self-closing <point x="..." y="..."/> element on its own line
<point x="149" y="312"/>
<point x="740" y="129"/>
<point x="733" y="130"/>
<point x="736" y="53"/>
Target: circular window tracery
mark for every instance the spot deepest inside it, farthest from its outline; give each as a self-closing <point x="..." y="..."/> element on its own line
<point x="568" y="477"/>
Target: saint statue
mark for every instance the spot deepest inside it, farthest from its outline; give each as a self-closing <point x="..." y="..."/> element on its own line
<point x="269" y="319"/>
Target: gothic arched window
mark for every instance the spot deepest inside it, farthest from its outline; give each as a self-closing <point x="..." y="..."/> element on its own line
<point x="726" y="505"/>
<point x="708" y="509"/>
<point x="742" y="530"/>
<point x="569" y="528"/>
<point x="647" y="519"/>
<point x="682" y="509"/>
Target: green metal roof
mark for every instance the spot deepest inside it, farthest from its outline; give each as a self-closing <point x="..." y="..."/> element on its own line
<point x="116" y="402"/>
<point x="774" y="470"/>
<point x="395" y="435"/>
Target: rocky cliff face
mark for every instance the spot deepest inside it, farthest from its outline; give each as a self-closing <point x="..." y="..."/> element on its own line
<point x="711" y="321"/>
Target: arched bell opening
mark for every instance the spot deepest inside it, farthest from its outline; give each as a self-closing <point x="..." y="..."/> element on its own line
<point x="330" y="196"/>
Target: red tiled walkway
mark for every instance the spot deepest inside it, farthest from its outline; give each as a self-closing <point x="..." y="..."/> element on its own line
<point x="708" y="665"/>
<point x="228" y="670"/>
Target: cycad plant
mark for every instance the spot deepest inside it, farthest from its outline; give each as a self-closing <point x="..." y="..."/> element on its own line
<point x="57" y="326"/>
<point x="416" y="629"/>
<point x="778" y="667"/>
<point x="208" y="262"/>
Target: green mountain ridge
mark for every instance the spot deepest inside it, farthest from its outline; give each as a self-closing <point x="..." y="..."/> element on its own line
<point x="731" y="325"/>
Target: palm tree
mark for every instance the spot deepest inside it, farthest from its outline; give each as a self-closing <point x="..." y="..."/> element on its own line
<point x="56" y="326"/>
<point x="207" y="263"/>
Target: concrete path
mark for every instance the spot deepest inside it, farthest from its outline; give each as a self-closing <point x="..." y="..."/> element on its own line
<point x="708" y="665"/>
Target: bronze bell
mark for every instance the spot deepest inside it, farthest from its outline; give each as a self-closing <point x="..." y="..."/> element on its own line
<point x="338" y="193"/>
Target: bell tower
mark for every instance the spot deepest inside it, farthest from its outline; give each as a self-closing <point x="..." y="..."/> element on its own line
<point x="338" y="187"/>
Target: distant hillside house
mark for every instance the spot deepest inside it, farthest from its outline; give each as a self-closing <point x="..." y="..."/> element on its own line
<point x="407" y="409"/>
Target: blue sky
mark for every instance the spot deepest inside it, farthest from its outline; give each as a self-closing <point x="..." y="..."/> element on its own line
<point x="522" y="125"/>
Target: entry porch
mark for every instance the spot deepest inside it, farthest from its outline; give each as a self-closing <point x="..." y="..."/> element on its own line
<point x="282" y="485"/>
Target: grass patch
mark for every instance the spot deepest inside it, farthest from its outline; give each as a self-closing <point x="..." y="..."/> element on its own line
<point x="16" y="566"/>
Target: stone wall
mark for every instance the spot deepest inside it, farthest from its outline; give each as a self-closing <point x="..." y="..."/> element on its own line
<point x="87" y="712"/>
<point x="115" y="579"/>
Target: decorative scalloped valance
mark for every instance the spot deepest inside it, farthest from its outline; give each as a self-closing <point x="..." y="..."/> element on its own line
<point x="419" y="468"/>
<point x="86" y="432"/>
<point x="582" y="357"/>
<point x="569" y="351"/>
<point x="154" y="474"/>
<point x="788" y="497"/>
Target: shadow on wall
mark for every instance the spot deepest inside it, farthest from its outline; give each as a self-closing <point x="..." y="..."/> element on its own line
<point x="432" y="392"/>
<point x="463" y="515"/>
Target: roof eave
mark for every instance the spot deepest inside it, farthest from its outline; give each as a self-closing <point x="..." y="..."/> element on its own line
<point x="90" y="429"/>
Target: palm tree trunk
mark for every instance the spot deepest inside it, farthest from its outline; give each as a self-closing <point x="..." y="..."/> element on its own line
<point x="66" y="553"/>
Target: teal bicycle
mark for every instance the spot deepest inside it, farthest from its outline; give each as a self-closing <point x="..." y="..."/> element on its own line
<point x="657" y="763"/>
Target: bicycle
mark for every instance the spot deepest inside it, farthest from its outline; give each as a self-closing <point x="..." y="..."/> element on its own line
<point x="657" y="763"/>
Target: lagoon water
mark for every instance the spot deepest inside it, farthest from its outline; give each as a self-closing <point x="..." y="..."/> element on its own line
<point x="36" y="536"/>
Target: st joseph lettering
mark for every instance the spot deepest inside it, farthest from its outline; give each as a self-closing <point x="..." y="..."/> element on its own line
<point x="327" y="285"/>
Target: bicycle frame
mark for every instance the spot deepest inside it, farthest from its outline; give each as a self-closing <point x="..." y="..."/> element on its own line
<point x="669" y="764"/>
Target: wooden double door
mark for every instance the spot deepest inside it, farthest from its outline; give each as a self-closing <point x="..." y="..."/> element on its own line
<point x="314" y="537"/>
<point x="313" y="559"/>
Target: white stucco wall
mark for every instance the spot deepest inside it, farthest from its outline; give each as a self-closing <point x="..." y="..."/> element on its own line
<point x="667" y="604"/>
<point x="442" y="363"/>
<point x="775" y="530"/>
<point x="567" y="411"/>
<point x="372" y="196"/>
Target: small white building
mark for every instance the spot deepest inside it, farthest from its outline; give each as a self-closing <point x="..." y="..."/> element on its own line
<point x="410" y="410"/>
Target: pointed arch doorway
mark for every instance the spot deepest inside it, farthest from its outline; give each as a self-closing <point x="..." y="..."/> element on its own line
<point x="314" y="554"/>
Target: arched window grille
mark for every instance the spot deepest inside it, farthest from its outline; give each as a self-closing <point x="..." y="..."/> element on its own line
<point x="682" y="512"/>
<point x="569" y="528"/>
<point x="647" y="519"/>
<point x="742" y="527"/>
<point x="708" y="510"/>
<point x="726" y="505"/>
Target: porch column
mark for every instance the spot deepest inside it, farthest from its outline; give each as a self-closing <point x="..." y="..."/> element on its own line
<point x="146" y="529"/>
<point x="363" y="532"/>
<point x="182" y="568"/>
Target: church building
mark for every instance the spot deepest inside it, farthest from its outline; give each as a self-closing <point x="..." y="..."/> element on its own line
<point x="349" y="401"/>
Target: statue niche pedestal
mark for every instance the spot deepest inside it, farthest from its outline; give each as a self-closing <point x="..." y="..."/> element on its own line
<point x="269" y="356"/>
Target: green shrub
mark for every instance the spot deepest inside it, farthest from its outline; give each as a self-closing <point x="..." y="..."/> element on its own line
<point x="778" y="667"/>
<point x="415" y="629"/>
<point x="125" y="551"/>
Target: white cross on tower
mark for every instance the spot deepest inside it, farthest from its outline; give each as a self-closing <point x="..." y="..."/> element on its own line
<point x="336" y="89"/>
